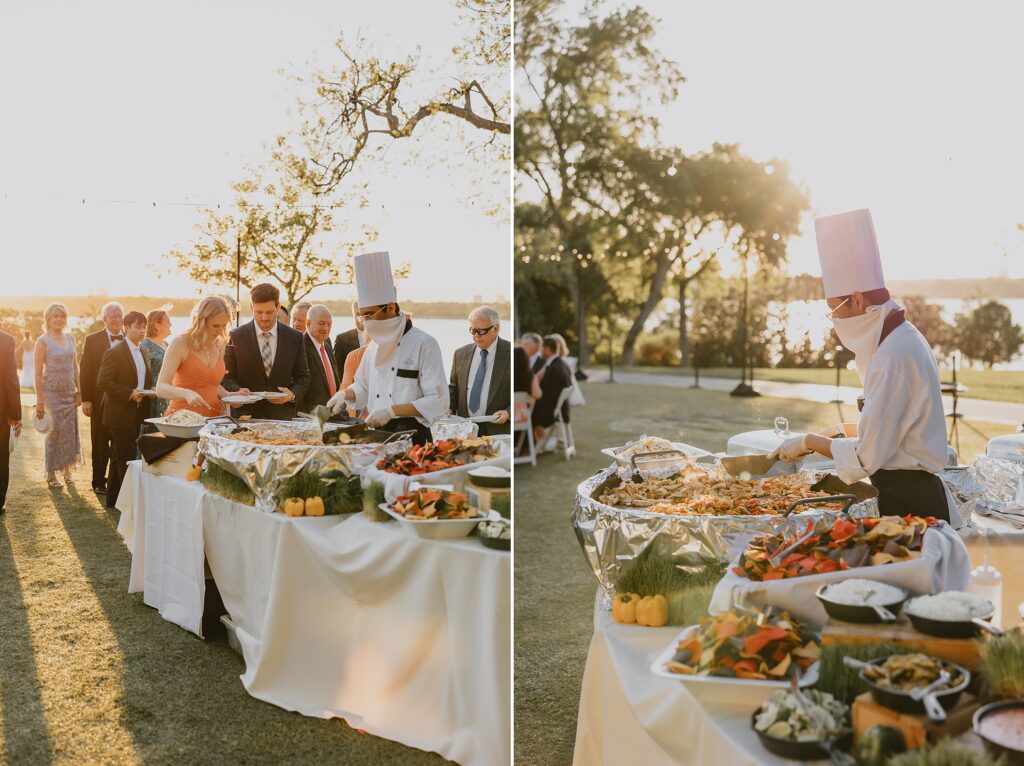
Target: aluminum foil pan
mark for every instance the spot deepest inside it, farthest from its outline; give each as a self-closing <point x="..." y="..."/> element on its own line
<point x="264" y="466"/>
<point x="453" y="428"/>
<point x="989" y="484"/>
<point x="610" y="536"/>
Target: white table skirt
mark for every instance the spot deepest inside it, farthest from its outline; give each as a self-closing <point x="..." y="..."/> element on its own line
<point x="629" y="715"/>
<point x="407" y="639"/>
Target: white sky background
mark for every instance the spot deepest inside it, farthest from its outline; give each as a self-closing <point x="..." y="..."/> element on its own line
<point x="912" y="109"/>
<point x="165" y="102"/>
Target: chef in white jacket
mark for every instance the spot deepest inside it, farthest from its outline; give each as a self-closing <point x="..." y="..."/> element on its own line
<point x="400" y="380"/>
<point x="901" y="436"/>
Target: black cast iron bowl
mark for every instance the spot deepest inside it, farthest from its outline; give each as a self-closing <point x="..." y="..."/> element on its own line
<point x="490" y="482"/>
<point x="904" y="703"/>
<point x="946" y="628"/>
<point x="801" y="751"/>
<point x="857" y="612"/>
<point x="1013" y="756"/>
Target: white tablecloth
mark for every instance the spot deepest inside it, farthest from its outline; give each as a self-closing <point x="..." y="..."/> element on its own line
<point x="629" y="715"/>
<point x="404" y="638"/>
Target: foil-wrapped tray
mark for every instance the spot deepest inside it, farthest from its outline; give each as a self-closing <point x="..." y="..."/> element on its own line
<point x="610" y="536"/>
<point x="264" y="466"/>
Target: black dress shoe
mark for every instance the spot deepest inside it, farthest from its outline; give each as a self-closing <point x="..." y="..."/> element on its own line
<point x="100" y="490"/>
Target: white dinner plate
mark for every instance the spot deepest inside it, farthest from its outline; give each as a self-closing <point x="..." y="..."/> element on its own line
<point x="148" y="392"/>
<point x="483" y="418"/>
<point x="238" y="399"/>
<point x="722" y="689"/>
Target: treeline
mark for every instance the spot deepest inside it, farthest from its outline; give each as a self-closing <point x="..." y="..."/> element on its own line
<point x="983" y="333"/>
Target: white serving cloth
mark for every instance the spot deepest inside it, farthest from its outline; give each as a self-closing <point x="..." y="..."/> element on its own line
<point x="162" y="525"/>
<point x="629" y="715"/>
<point x="944" y="564"/>
<point x="405" y="638"/>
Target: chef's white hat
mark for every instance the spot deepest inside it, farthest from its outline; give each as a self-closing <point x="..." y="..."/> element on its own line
<point x="848" y="251"/>
<point x="375" y="284"/>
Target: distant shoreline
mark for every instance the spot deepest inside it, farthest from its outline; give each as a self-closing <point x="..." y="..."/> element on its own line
<point x="89" y="305"/>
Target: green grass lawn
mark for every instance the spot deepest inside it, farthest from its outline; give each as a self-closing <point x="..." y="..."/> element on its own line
<point x="554" y="587"/>
<point x="90" y="675"/>
<point x="994" y="385"/>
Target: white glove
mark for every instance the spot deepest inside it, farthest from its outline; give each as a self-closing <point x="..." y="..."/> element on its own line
<point x="380" y="417"/>
<point x="338" y="401"/>
<point x="791" y="450"/>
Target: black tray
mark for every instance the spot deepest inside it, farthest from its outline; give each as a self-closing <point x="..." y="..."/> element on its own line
<point x="800" y="751"/>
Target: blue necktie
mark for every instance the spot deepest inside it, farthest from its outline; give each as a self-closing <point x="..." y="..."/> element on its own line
<point x="478" y="382"/>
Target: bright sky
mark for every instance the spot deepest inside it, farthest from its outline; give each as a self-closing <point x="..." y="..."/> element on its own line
<point x="166" y="102"/>
<point x="911" y="109"/>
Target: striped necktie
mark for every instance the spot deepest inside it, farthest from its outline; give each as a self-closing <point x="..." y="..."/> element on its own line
<point x="268" y="357"/>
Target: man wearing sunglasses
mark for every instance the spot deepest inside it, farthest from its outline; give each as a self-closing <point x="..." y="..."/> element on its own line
<point x="400" y="380"/>
<point x="901" y="437"/>
<point x="481" y="379"/>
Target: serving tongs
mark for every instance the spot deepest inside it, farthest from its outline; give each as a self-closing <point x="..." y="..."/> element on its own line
<point x="839" y="758"/>
<point x="846" y="498"/>
<point x="756" y="466"/>
<point x="646" y="455"/>
<point x="239" y="425"/>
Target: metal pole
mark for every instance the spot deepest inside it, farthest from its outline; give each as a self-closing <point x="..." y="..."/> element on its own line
<point x="238" y="280"/>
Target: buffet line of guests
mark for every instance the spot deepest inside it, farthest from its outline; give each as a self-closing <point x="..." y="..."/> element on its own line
<point x="131" y="370"/>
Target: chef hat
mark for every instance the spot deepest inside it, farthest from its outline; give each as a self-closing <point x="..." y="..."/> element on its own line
<point x="375" y="283"/>
<point x="848" y="251"/>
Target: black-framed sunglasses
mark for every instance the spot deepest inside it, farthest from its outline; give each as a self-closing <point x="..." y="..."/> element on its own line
<point x="481" y="330"/>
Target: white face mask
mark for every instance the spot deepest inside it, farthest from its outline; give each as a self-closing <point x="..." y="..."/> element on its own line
<point x="860" y="334"/>
<point x="385" y="333"/>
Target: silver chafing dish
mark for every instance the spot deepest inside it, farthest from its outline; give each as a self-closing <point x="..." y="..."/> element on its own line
<point x="263" y="467"/>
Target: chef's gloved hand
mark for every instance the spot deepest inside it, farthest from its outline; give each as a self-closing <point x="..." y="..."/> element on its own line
<point x="380" y="417"/>
<point x="336" y="402"/>
<point x="790" y="450"/>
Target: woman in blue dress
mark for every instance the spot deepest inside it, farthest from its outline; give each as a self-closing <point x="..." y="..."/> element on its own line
<point x="158" y="329"/>
<point x="58" y="393"/>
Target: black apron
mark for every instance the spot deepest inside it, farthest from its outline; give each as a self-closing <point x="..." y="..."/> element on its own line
<point x="917" y="493"/>
<point x="421" y="435"/>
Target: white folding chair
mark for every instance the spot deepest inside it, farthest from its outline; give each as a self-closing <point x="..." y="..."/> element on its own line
<point x="564" y="429"/>
<point x="522" y="430"/>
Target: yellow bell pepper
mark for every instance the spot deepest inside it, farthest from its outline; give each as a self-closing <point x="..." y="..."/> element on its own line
<point x="314" y="506"/>
<point x="294" y="506"/>
<point x="652" y="611"/>
<point x="624" y="608"/>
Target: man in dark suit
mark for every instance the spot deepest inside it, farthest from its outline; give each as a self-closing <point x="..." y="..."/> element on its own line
<point x="10" y="409"/>
<point x="531" y="343"/>
<point x="96" y="346"/>
<point x="122" y="377"/>
<point x="554" y="377"/>
<point x="266" y="355"/>
<point x="350" y="340"/>
<point x="324" y="375"/>
<point x="481" y="381"/>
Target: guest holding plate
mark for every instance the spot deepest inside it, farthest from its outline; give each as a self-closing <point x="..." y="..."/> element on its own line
<point x="193" y="366"/>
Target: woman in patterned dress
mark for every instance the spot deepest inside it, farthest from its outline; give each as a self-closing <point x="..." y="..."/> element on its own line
<point x="58" y="392"/>
<point x="158" y="328"/>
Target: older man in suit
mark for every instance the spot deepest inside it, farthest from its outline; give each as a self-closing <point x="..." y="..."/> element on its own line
<point x="10" y="409"/>
<point x="324" y="375"/>
<point x="267" y="355"/>
<point x="122" y="377"/>
<point x="96" y="346"/>
<point x="481" y="381"/>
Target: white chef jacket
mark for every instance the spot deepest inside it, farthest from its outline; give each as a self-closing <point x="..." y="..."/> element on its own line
<point x="473" y="367"/>
<point x="902" y="426"/>
<point x="414" y="375"/>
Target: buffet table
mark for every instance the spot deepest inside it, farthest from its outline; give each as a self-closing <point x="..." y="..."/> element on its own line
<point x="336" y="616"/>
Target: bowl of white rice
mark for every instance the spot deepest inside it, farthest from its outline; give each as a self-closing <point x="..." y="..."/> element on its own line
<point x="860" y="600"/>
<point x="950" y="614"/>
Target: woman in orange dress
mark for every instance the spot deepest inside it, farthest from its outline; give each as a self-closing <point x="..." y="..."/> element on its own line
<point x="352" y="361"/>
<point x="194" y="363"/>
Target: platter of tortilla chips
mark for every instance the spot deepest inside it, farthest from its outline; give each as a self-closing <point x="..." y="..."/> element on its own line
<point x="850" y="543"/>
<point x="744" y="648"/>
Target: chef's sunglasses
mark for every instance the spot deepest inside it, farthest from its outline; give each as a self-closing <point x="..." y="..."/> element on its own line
<point x="371" y="314"/>
<point x="831" y="312"/>
<point x="481" y="330"/>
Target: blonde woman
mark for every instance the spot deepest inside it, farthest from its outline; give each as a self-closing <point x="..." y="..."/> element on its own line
<point x="194" y="362"/>
<point x="58" y="392"/>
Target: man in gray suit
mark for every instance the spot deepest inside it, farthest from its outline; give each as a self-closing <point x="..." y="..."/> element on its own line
<point x="481" y="381"/>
